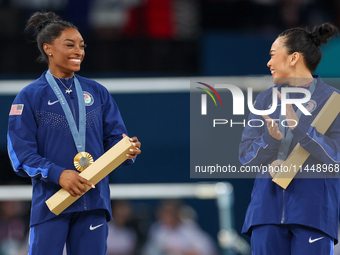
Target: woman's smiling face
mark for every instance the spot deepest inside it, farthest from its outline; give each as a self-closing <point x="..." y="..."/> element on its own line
<point x="279" y="62"/>
<point x="67" y="52"/>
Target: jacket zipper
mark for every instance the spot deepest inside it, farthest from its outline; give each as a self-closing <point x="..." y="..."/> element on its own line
<point x="283" y="208"/>
<point x="85" y="204"/>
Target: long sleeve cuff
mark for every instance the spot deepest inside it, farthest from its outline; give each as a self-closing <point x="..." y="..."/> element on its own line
<point x="300" y="131"/>
<point x="54" y="173"/>
<point x="271" y="141"/>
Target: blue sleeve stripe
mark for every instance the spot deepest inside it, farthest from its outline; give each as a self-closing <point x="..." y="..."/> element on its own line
<point x="12" y="155"/>
<point x="31" y="171"/>
<point x="246" y="159"/>
<point x="333" y="155"/>
<point x="31" y="241"/>
<point x="332" y="247"/>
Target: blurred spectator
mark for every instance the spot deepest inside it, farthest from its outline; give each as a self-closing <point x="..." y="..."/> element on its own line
<point x="13" y="237"/>
<point x="171" y="235"/>
<point x="163" y="19"/>
<point x="278" y="15"/>
<point x="152" y="18"/>
<point x="109" y="17"/>
<point x="291" y="11"/>
<point x="263" y="15"/>
<point x="295" y="13"/>
<point x="187" y="19"/>
<point x="39" y="4"/>
<point x="121" y="239"/>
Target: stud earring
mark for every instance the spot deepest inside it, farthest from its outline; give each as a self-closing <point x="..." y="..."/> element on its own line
<point x="50" y="54"/>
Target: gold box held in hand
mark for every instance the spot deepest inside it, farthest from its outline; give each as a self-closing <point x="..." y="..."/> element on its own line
<point x="299" y="155"/>
<point x="95" y="172"/>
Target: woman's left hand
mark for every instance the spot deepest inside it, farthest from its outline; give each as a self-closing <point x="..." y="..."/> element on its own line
<point x="292" y="118"/>
<point x="134" y="152"/>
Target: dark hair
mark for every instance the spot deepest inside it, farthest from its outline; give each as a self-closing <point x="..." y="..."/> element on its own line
<point x="48" y="26"/>
<point x="307" y="43"/>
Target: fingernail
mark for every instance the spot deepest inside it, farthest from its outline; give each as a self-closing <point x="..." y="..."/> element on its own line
<point x="134" y="144"/>
<point x="127" y="155"/>
<point x="131" y="150"/>
<point x="92" y="186"/>
<point x="131" y="139"/>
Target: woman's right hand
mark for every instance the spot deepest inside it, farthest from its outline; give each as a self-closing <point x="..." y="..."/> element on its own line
<point x="273" y="128"/>
<point x="73" y="183"/>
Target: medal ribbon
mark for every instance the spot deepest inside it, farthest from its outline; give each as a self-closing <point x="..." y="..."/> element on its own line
<point x="78" y="137"/>
<point x="288" y="136"/>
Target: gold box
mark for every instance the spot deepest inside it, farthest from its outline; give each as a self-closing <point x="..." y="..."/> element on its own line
<point x="94" y="173"/>
<point x="299" y="155"/>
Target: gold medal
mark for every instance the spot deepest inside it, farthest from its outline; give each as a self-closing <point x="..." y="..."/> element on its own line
<point x="82" y="160"/>
<point x="275" y="165"/>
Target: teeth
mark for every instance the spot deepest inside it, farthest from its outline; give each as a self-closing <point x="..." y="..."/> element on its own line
<point x="75" y="60"/>
<point x="272" y="72"/>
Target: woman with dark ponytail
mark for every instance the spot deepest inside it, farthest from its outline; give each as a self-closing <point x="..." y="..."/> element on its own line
<point x="303" y="218"/>
<point x="58" y="124"/>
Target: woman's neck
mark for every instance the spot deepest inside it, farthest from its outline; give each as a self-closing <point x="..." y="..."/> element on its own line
<point x="301" y="77"/>
<point x="60" y="74"/>
<point x="298" y="82"/>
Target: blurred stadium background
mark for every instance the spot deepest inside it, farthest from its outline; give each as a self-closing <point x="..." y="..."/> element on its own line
<point x="145" y="52"/>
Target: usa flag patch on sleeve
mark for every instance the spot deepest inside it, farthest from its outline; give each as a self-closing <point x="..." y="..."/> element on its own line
<point x="16" y="109"/>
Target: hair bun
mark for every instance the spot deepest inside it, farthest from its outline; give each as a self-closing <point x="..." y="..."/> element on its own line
<point x="322" y="33"/>
<point x="45" y="22"/>
<point x="41" y="19"/>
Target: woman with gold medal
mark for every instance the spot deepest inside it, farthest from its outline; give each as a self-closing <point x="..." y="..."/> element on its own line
<point x="303" y="218"/>
<point x="58" y="125"/>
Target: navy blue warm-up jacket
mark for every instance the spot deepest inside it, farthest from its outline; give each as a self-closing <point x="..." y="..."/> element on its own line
<point x="41" y="146"/>
<point x="312" y="202"/>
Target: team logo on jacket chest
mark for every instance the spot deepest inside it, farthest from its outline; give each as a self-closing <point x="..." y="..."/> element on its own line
<point x="88" y="98"/>
<point x="311" y="105"/>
